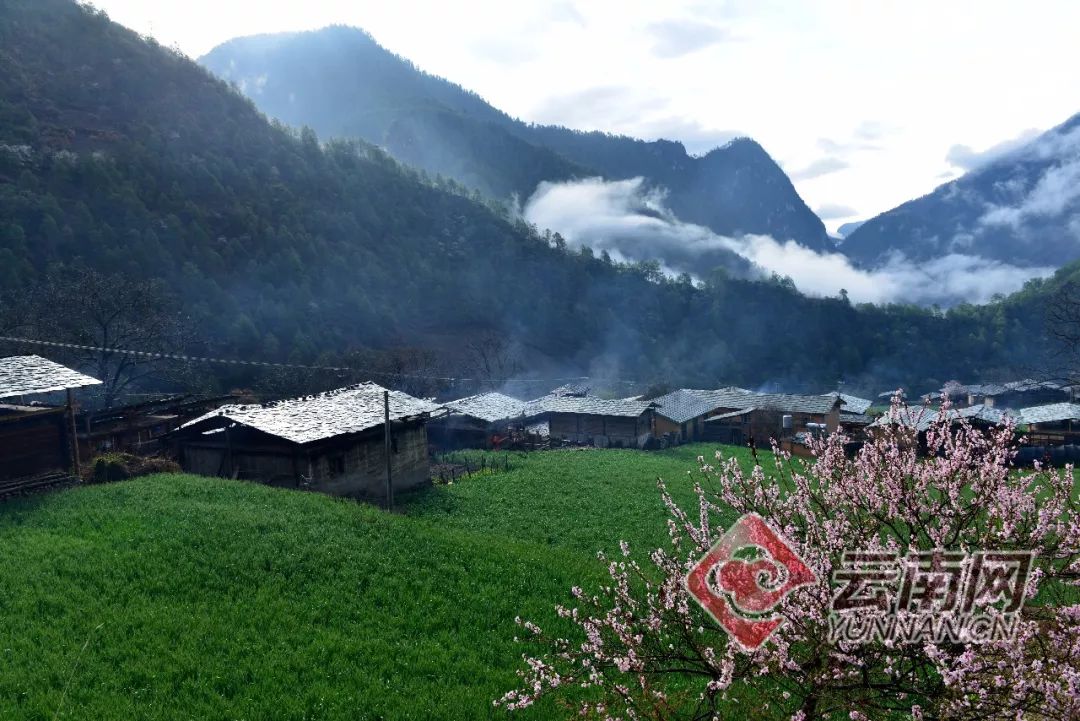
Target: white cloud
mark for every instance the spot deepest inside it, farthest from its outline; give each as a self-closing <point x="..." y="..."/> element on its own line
<point x="675" y="38"/>
<point x="833" y="211"/>
<point x="629" y="220"/>
<point x="965" y="158"/>
<point x="1055" y="193"/>
<point x="822" y="166"/>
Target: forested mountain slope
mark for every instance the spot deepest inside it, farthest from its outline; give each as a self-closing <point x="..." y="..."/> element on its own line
<point x="340" y="82"/>
<point x="125" y="157"/>
<point x="1023" y="208"/>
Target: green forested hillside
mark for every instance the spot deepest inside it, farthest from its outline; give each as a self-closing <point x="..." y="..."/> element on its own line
<point x="123" y="156"/>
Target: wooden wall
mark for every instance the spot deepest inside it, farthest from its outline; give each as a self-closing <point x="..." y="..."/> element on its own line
<point x="33" y="444"/>
<point x="617" y="431"/>
<point x="353" y="466"/>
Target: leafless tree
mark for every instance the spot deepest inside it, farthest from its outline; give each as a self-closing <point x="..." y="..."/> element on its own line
<point x="109" y="314"/>
<point x="492" y="358"/>
<point x="1063" y="327"/>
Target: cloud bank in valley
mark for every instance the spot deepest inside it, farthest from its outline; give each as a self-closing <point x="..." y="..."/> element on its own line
<point x="629" y="220"/>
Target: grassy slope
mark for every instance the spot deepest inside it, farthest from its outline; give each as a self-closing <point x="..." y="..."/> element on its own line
<point x="206" y="599"/>
<point x="584" y="500"/>
<point x="202" y="598"/>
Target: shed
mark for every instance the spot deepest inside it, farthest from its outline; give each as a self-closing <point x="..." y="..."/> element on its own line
<point x="590" y="420"/>
<point x="762" y="416"/>
<point x="36" y="441"/>
<point x="1054" y="424"/>
<point x="475" y="421"/>
<point x="331" y="442"/>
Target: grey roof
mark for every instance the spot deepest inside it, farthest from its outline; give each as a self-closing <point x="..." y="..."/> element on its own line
<point x="789" y="403"/>
<point x="576" y="388"/>
<point x="314" y="418"/>
<point x="1051" y="413"/>
<point x="683" y="405"/>
<point x="856" y="419"/>
<point x="997" y="389"/>
<point x="25" y="375"/>
<point x="854" y="404"/>
<point x="922" y="418"/>
<point x="732" y="414"/>
<point x="488" y="407"/>
<point x="888" y="395"/>
<point x="586" y="405"/>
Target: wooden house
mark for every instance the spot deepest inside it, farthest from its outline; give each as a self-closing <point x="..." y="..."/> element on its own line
<point x="576" y="416"/>
<point x="139" y="428"/>
<point x="332" y="442"/>
<point x="37" y="442"/>
<point x="681" y="414"/>
<point x="1012" y="394"/>
<point x="1055" y="424"/>
<point x="478" y="421"/>
<point x="765" y="416"/>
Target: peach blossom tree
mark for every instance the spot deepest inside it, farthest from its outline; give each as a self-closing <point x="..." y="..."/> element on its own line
<point x="641" y="647"/>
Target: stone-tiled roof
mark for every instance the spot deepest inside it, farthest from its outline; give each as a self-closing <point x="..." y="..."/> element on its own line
<point x="922" y="418"/>
<point x="314" y="418"/>
<point x="996" y="389"/>
<point x="576" y="388"/>
<point x="686" y="403"/>
<point x="683" y="405"/>
<point x="854" y="404"/>
<point x="586" y="405"/>
<point x="731" y="414"/>
<point x="488" y="407"/>
<point x="788" y="403"/>
<point x="1050" y="413"/>
<point x="855" y="419"/>
<point x="29" y="374"/>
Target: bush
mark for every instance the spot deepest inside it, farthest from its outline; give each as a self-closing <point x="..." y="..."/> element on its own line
<point x="121" y="466"/>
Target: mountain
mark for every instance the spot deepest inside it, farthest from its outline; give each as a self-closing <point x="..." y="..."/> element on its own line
<point x="1023" y="209"/>
<point x="848" y="228"/>
<point x="342" y="83"/>
<point x="122" y="156"/>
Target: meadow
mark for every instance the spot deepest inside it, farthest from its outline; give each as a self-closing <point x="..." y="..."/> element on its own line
<point x="179" y="597"/>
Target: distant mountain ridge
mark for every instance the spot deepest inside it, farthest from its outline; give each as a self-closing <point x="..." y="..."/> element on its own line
<point x="341" y="83"/>
<point x="1022" y="208"/>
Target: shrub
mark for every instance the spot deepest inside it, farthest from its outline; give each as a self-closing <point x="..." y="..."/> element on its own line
<point x="121" y="466"/>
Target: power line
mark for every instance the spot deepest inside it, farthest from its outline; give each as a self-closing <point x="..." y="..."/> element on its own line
<point x="288" y="366"/>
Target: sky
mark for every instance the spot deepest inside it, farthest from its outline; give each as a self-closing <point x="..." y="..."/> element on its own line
<point x="864" y="104"/>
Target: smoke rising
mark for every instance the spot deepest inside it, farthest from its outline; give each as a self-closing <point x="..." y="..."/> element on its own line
<point x="630" y="220"/>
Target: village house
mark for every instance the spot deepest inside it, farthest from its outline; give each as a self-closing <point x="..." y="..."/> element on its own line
<point x="333" y="442"/>
<point x="681" y="414"/>
<point x="765" y="416"/>
<point x="572" y="414"/>
<point x="1013" y="394"/>
<point x="139" y="428"/>
<point x="853" y="404"/>
<point x="37" y="442"/>
<point x="1056" y="424"/>
<point x="477" y="421"/>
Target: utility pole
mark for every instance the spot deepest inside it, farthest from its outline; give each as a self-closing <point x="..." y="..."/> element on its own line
<point x="72" y="429"/>
<point x="386" y="427"/>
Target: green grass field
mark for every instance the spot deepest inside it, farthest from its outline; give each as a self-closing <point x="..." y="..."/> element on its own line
<point x="177" y="597"/>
